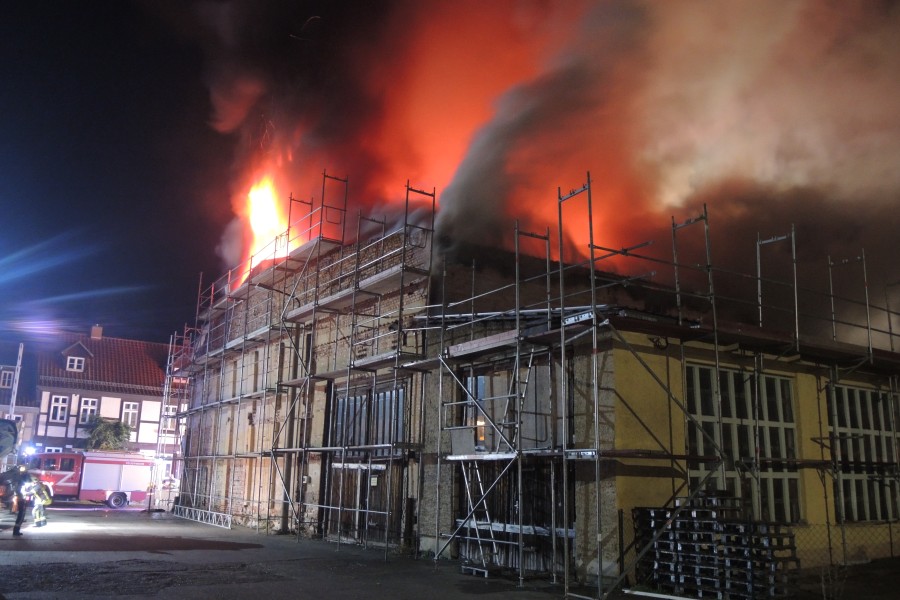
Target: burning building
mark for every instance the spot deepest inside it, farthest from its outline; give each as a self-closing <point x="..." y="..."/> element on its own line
<point x="544" y="399"/>
<point x="517" y="412"/>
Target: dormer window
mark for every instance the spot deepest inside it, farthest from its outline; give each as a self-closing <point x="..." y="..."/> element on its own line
<point x="6" y="379"/>
<point x="75" y="363"/>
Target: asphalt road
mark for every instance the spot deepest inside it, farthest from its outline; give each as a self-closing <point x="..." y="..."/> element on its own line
<point x="95" y="552"/>
<point x="91" y="551"/>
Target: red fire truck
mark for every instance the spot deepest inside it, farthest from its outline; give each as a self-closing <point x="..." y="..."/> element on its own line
<point x="113" y="477"/>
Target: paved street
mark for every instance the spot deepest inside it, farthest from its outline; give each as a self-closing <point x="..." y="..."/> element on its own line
<point x="94" y="552"/>
<point x="90" y="552"/>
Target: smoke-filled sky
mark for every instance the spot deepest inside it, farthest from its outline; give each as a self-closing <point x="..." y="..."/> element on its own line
<point x="133" y="132"/>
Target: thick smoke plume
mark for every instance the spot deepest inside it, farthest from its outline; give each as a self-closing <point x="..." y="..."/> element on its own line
<point x="770" y="113"/>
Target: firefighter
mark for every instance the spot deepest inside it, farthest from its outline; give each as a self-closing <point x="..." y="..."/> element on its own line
<point x="16" y="480"/>
<point x="40" y="498"/>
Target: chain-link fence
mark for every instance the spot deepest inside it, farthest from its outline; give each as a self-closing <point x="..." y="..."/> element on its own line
<point x="847" y="543"/>
<point x="831" y="553"/>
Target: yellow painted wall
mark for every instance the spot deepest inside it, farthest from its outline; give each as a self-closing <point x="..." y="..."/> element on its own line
<point x="645" y="416"/>
<point x="647" y="419"/>
<point x="810" y="415"/>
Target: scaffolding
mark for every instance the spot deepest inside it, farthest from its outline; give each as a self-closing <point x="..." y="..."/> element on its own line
<point x="176" y="400"/>
<point x="508" y="408"/>
<point x="504" y="523"/>
<point x="370" y="295"/>
<point x="302" y="407"/>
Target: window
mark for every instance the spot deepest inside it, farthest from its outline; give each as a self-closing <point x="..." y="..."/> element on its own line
<point x="387" y="419"/>
<point x="16" y="418"/>
<point x="486" y="397"/>
<point x="88" y="410"/>
<point x="168" y="420"/>
<point x="866" y="432"/>
<point x="75" y="363"/>
<point x="130" y="414"/>
<point x="757" y="419"/>
<point x="363" y="420"/>
<point x="351" y="420"/>
<point x="59" y="409"/>
<point x="6" y="379"/>
<point x="475" y="385"/>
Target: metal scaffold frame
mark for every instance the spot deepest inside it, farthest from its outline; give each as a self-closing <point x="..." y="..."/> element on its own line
<point x="484" y="418"/>
<point x="578" y="316"/>
<point x="238" y="318"/>
<point x="327" y="383"/>
<point x="176" y="400"/>
<point x="605" y="449"/>
<point x="280" y="339"/>
<point x="550" y="329"/>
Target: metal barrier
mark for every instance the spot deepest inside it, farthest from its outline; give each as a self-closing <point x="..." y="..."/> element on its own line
<point x="202" y="516"/>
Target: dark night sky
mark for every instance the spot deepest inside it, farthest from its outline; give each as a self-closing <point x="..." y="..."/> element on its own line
<point x="112" y="185"/>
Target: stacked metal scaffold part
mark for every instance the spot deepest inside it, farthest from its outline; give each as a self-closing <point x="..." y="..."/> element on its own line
<point x="760" y="559"/>
<point x="701" y="548"/>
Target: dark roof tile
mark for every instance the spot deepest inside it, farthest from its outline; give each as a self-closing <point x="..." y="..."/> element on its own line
<point x="107" y="360"/>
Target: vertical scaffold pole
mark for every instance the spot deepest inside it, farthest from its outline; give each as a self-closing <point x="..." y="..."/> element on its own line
<point x="595" y="384"/>
<point x="711" y="298"/>
<point x="520" y="495"/>
<point x="759" y="294"/>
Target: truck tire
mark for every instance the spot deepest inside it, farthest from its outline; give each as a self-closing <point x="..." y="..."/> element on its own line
<point x="117" y="500"/>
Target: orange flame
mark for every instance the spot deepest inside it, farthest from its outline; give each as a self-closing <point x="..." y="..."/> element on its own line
<point x="264" y="216"/>
<point x="267" y="228"/>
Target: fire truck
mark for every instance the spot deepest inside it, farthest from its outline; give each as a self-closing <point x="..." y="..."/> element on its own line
<point x="112" y="477"/>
